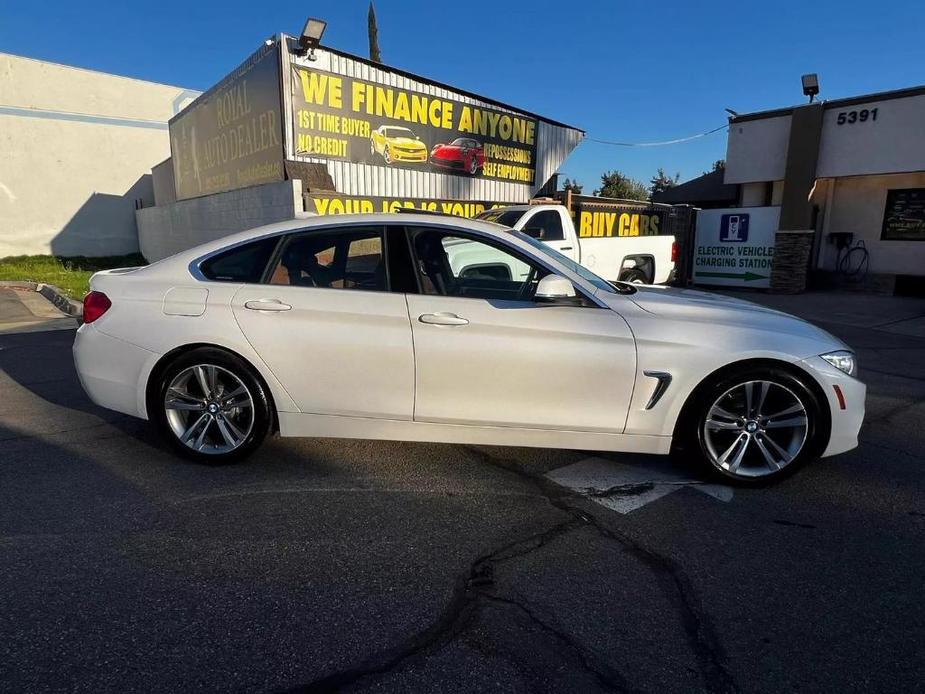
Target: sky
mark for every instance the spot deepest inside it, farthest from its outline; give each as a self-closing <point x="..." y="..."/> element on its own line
<point x="622" y="71"/>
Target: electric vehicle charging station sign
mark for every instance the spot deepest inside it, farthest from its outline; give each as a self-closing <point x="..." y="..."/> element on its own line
<point x="733" y="228"/>
<point x="735" y="247"/>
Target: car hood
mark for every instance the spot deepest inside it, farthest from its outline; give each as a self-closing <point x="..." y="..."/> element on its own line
<point x="405" y="142"/>
<point x="717" y="309"/>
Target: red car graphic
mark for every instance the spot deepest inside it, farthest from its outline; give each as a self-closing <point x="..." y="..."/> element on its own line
<point x="462" y="153"/>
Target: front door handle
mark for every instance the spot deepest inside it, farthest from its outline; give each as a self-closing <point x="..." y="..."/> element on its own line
<point x="267" y="305"/>
<point x="442" y="319"/>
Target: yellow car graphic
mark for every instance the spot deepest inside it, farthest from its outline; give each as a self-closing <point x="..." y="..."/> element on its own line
<point x="395" y="143"/>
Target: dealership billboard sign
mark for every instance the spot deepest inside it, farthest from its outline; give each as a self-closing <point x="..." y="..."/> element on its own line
<point x="735" y="247"/>
<point x="344" y="118"/>
<point x="362" y="122"/>
<point x="231" y="136"/>
<point x="335" y="203"/>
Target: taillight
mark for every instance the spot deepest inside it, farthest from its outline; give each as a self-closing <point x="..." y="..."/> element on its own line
<point x="674" y="251"/>
<point x="95" y="305"/>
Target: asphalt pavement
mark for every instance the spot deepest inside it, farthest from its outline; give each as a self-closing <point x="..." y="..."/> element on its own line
<point x="321" y="565"/>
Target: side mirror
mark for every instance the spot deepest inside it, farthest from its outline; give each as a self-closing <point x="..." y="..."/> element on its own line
<point x="555" y="289"/>
<point x="534" y="232"/>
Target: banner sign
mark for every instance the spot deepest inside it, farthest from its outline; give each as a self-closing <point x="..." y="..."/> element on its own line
<point x="603" y="221"/>
<point x="333" y="204"/>
<point x="231" y="136"/>
<point x="340" y="117"/>
<point x="904" y="216"/>
<point x="735" y="247"/>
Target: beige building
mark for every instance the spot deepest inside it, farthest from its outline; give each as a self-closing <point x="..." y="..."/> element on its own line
<point x="76" y="152"/>
<point x="848" y="176"/>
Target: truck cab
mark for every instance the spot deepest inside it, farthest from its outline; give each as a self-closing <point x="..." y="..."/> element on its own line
<point x="642" y="259"/>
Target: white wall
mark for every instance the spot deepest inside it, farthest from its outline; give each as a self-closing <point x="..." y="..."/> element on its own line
<point x="168" y="229"/>
<point x="756" y="150"/>
<point x="894" y="142"/>
<point x="77" y="150"/>
<point x="857" y="206"/>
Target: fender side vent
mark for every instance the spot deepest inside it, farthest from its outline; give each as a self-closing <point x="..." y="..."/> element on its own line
<point x="664" y="380"/>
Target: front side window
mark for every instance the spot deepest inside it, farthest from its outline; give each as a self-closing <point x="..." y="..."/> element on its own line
<point x="546" y="226"/>
<point x="579" y="270"/>
<point x="244" y="263"/>
<point x="345" y="259"/>
<point x="453" y="265"/>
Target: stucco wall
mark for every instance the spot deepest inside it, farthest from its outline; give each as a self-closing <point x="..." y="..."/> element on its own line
<point x="168" y="229"/>
<point x="77" y="150"/>
<point x="892" y="140"/>
<point x="857" y="205"/>
<point x="756" y="150"/>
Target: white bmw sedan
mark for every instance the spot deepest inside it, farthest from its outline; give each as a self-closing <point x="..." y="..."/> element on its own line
<point x="430" y="328"/>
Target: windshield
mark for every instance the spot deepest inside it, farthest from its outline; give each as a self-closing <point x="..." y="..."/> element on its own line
<point x="507" y="218"/>
<point x="399" y="132"/>
<point x="579" y="270"/>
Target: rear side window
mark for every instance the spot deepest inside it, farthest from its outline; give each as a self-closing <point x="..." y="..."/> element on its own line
<point x="240" y="264"/>
<point x="349" y="258"/>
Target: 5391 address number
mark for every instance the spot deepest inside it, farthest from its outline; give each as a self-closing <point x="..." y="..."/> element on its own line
<point x="861" y="116"/>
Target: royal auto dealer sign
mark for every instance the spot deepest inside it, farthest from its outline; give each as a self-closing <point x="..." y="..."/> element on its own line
<point x="343" y="118"/>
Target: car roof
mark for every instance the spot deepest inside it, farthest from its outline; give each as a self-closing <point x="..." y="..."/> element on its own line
<point x="308" y="221"/>
<point x="187" y="261"/>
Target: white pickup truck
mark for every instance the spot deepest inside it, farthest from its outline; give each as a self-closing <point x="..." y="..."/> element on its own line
<point x="615" y="249"/>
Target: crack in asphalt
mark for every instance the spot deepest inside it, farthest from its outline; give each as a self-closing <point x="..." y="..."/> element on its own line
<point x="701" y="636"/>
<point x="473" y="587"/>
<point x="608" y="677"/>
<point x="451" y="621"/>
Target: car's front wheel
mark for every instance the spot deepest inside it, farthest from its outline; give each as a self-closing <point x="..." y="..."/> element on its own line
<point x="211" y="407"/>
<point x="757" y="425"/>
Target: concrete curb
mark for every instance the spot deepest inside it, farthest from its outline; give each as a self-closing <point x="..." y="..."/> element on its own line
<point x="16" y="284"/>
<point x="61" y="302"/>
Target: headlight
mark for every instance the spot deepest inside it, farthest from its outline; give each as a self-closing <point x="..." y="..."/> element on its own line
<point x="843" y="361"/>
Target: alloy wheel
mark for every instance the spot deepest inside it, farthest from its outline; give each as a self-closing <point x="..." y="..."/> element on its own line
<point x="755" y="429"/>
<point x="209" y="409"/>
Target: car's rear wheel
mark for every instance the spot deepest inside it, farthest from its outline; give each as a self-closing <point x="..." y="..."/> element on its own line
<point x="757" y="426"/>
<point x="211" y="406"/>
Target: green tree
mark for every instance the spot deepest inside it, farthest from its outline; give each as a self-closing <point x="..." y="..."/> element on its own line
<point x="661" y="182"/>
<point x="718" y="165"/>
<point x="616" y="185"/>
<point x="373" y="31"/>
<point x="573" y="186"/>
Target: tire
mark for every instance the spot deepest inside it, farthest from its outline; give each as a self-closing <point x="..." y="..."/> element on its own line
<point x="221" y="426"/>
<point x="372" y="148"/>
<point x="634" y="276"/>
<point x="787" y="426"/>
<point x="386" y="155"/>
<point x="473" y="166"/>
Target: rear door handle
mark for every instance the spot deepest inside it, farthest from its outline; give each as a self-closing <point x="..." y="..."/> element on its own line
<point x="442" y="319"/>
<point x="565" y="248"/>
<point x="267" y="305"/>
